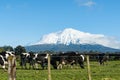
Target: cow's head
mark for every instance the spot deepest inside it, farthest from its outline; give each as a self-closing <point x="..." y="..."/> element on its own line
<point x="9" y="53"/>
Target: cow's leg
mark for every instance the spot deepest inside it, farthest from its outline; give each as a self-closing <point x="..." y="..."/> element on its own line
<point x="59" y="66"/>
<point x="106" y="62"/>
<point x="33" y="64"/>
<point x="42" y="65"/>
<point x="30" y="64"/>
<point x="54" y="64"/>
<point x="72" y="64"/>
<point x="23" y="64"/>
<point x="81" y="64"/>
<point x="3" y="66"/>
<point x="36" y="65"/>
<point x="100" y="61"/>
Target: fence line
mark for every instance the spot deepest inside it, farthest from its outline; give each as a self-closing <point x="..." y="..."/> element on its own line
<point x="12" y="68"/>
<point x="88" y="68"/>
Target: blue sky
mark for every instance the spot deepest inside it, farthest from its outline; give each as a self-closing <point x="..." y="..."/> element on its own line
<point x="25" y="21"/>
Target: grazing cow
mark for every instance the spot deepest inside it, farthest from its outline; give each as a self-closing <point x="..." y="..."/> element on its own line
<point x="29" y="58"/>
<point x="102" y="58"/>
<point x="4" y="58"/>
<point x="71" y="58"/>
<point x="24" y="57"/>
<point x="75" y="58"/>
<point x="57" y="60"/>
<point x="41" y="59"/>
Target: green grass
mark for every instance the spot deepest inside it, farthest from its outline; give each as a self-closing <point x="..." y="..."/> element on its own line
<point x="111" y="71"/>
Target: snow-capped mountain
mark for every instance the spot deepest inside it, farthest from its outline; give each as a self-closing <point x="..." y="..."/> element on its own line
<point x="71" y="36"/>
<point x="73" y="40"/>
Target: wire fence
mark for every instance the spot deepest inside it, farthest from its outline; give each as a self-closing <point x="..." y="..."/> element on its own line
<point x="93" y="71"/>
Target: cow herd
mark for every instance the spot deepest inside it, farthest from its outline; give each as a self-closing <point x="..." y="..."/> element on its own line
<point x="57" y="61"/>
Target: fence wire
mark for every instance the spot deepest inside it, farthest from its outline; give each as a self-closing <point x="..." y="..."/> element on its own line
<point x="108" y="71"/>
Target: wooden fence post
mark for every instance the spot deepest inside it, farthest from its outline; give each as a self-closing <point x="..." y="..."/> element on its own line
<point x="88" y="68"/>
<point x="49" y="68"/>
<point x="11" y="67"/>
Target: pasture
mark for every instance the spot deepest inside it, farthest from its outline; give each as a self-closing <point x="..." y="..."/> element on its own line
<point x="111" y="71"/>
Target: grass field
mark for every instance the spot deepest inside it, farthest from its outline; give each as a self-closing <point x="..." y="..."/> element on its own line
<point x="111" y="71"/>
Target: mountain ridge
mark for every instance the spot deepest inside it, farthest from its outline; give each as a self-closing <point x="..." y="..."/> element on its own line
<point x="73" y="40"/>
<point x="71" y="47"/>
<point x="72" y="36"/>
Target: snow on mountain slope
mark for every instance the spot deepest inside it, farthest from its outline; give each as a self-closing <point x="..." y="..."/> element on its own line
<point x="72" y="36"/>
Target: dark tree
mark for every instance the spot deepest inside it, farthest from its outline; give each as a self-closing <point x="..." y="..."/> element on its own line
<point x="1" y="49"/>
<point x="8" y="48"/>
<point x="19" y="49"/>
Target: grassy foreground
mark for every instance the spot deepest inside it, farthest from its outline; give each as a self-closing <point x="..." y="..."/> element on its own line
<point x="111" y="71"/>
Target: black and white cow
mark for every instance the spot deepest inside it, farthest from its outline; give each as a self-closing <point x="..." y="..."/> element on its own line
<point x="28" y="58"/>
<point x="41" y="59"/>
<point x="24" y="57"/>
<point x="58" y="60"/>
<point x="71" y="58"/>
<point x="4" y="58"/>
<point x="102" y="58"/>
<point x="33" y="59"/>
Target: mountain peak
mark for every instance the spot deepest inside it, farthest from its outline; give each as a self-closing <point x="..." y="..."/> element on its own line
<point x="69" y="30"/>
<point x="72" y="36"/>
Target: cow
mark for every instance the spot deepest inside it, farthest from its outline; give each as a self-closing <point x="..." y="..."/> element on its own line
<point x="41" y="59"/>
<point x="28" y="58"/>
<point x="71" y="58"/>
<point x="57" y="60"/>
<point x="31" y="60"/>
<point x="24" y="57"/>
<point x="102" y="58"/>
<point x="4" y="58"/>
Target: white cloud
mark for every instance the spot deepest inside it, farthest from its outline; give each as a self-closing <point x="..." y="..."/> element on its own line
<point x="89" y="4"/>
<point x="86" y="3"/>
<point x="112" y="42"/>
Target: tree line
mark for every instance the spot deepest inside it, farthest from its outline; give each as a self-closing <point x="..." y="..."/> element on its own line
<point x="21" y="49"/>
<point x="18" y="50"/>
